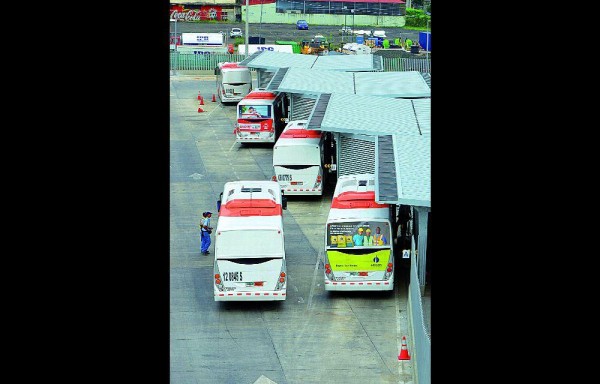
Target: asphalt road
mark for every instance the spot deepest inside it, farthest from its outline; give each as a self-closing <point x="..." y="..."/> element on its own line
<point x="273" y="32"/>
<point x="313" y="336"/>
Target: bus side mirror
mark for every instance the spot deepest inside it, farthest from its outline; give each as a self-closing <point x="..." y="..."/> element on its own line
<point x="283" y="202"/>
<point x="219" y="202"/>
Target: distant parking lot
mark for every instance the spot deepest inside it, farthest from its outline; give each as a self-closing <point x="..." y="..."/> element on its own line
<point x="273" y="32"/>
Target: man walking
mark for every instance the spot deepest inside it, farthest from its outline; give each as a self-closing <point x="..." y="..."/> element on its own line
<point x="205" y="231"/>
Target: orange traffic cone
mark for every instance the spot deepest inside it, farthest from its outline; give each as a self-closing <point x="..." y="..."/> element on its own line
<point x="200" y="110"/>
<point x="403" y="350"/>
<point x="214" y="98"/>
<point x="201" y="100"/>
<point x="199" y="97"/>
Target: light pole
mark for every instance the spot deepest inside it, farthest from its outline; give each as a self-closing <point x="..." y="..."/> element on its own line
<point x="427" y="42"/>
<point x="344" y="8"/>
<point x="247" y="32"/>
<point x="352" y="10"/>
<point x="175" y="41"/>
<point x="175" y="33"/>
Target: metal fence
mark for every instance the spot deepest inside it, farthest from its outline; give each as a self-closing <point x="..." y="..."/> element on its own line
<point x="421" y="351"/>
<point x="396" y="64"/>
<point x="193" y="62"/>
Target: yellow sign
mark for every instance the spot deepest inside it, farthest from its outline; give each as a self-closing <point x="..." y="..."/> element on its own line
<point x="349" y="242"/>
<point x="375" y="261"/>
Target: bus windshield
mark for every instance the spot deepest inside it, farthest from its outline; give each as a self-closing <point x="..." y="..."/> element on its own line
<point x="250" y="243"/>
<point x="297" y="155"/>
<point x="254" y="111"/>
<point x="243" y="77"/>
<point x="363" y="234"/>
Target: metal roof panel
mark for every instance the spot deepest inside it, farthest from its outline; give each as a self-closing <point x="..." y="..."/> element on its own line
<point x="369" y="115"/>
<point x="413" y="166"/>
<point x="392" y="84"/>
<point x="302" y="80"/>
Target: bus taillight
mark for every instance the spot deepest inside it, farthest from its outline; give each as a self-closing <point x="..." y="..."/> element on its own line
<point x="389" y="268"/>
<point x="319" y="179"/>
<point x="274" y="177"/>
<point x="327" y="269"/>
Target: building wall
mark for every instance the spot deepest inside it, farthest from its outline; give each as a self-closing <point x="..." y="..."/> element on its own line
<point x="270" y="16"/>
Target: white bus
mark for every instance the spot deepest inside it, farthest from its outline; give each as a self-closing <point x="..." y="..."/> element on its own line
<point x="261" y="116"/>
<point x="250" y="243"/>
<point x="298" y="159"/>
<point x="234" y="82"/>
<point x="353" y="260"/>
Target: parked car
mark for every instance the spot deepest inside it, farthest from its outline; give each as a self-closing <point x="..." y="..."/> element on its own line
<point x="236" y="32"/>
<point x="301" y="24"/>
<point x="345" y="31"/>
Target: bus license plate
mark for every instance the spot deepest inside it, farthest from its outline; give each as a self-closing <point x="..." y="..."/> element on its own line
<point x="229" y="91"/>
<point x="284" y="177"/>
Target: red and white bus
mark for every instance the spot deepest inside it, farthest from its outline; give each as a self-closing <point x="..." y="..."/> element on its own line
<point x="261" y="116"/>
<point x="359" y="249"/>
<point x="298" y="158"/>
<point x="249" y="260"/>
<point x="234" y="82"/>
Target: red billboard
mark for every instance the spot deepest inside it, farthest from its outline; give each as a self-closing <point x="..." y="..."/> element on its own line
<point x="205" y="12"/>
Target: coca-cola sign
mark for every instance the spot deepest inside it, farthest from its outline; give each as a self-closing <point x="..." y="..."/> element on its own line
<point x="188" y="15"/>
<point x="204" y="13"/>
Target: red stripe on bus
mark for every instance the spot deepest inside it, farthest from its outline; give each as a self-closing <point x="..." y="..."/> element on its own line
<point x="351" y="199"/>
<point x="251" y="207"/>
<point x="295" y="133"/>
<point x="260" y="95"/>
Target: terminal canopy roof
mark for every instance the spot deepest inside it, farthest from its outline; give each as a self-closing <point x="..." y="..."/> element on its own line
<point x="272" y="61"/>
<point x="403" y="145"/>
<point x="407" y="84"/>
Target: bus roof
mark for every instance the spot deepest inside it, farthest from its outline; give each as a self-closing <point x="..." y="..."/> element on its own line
<point x="296" y="129"/>
<point x="260" y="95"/>
<point x="232" y="65"/>
<point x="355" y="191"/>
<point x="251" y="207"/>
<point x="265" y="193"/>
<point x="300" y="134"/>
<point x="352" y="199"/>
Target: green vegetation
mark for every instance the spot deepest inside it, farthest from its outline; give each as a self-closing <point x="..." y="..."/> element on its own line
<point x="416" y="19"/>
<point x="238" y="40"/>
